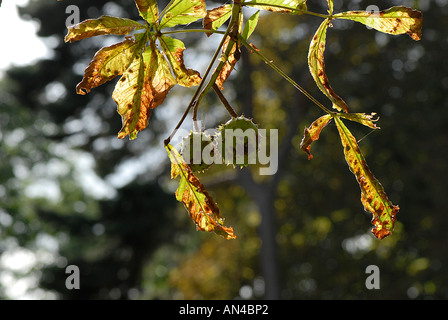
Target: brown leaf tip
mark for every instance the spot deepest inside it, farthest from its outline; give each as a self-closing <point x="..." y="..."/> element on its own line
<point x="384" y="228"/>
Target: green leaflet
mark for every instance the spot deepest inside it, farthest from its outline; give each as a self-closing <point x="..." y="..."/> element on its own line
<point x="198" y="202"/>
<point x="250" y="25"/>
<point x="101" y="26"/>
<point x="330" y="6"/>
<point x="317" y="66"/>
<point x="183" y="12"/>
<point x="395" y="20"/>
<point x="148" y="10"/>
<point x="373" y="196"/>
<point x="107" y="63"/>
<point x="283" y="6"/>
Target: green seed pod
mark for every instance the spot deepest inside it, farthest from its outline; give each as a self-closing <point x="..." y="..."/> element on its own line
<point x="198" y="149"/>
<point x="238" y="141"/>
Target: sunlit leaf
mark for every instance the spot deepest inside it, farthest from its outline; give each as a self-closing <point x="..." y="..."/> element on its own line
<point x="312" y="133"/>
<point x="101" y="26"/>
<point x="107" y="63"/>
<point x="330" y="6"/>
<point x="174" y="51"/>
<point x="128" y="96"/>
<point x="148" y="10"/>
<point x="250" y="25"/>
<point x="230" y="54"/>
<point x="396" y="20"/>
<point x="283" y="6"/>
<point x="216" y="17"/>
<point x="183" y="12"/>
<point x="158" y="76"/>
<point x="373" y="196"/>
<point x="365" y="119"/>
<point x="229" y="61"/>
<point x="201" y="207"/>
<point x="317" y="66"/>
<point x="142" y="87"/>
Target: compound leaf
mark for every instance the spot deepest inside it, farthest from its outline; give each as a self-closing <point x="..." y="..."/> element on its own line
<point x="395" y="20"/>
<point x="282" y="6"/>
<point x="201" y="207"/>
<point x="373" y="196"/>
<point x="174" y="51"/>
<point x="216" y="17"/>
<point x="148" y="10"/>
<point x="183" y="12"/>
<point x="312" y="133"/>
<point x="317" y="66"/>
<point x="142" y="87"/>
<point x="107" y="63"/>
<point x="101" y="26"/>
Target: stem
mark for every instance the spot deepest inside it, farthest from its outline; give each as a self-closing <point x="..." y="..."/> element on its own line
<point x="284" y="75"/>
<point x="232" y="34"/>
<point x="213" y="78"/>
<point x="311" y="13"/>
<point x="224" y="101"/>
<point x="194" y="102"/>
<point x="194" y="30"/>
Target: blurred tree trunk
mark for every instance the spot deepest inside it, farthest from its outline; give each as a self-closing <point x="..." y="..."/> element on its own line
<point x="263" y="196"/>
<point x="264" y="193"/>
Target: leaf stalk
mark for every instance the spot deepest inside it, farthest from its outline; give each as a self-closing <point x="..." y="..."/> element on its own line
<point x="285" y="76"/>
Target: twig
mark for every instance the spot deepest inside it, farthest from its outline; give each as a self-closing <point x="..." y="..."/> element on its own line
<point x="224" y="101"/>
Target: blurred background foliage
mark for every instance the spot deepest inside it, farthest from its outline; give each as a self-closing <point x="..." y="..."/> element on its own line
<point x="72" y="193"/>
